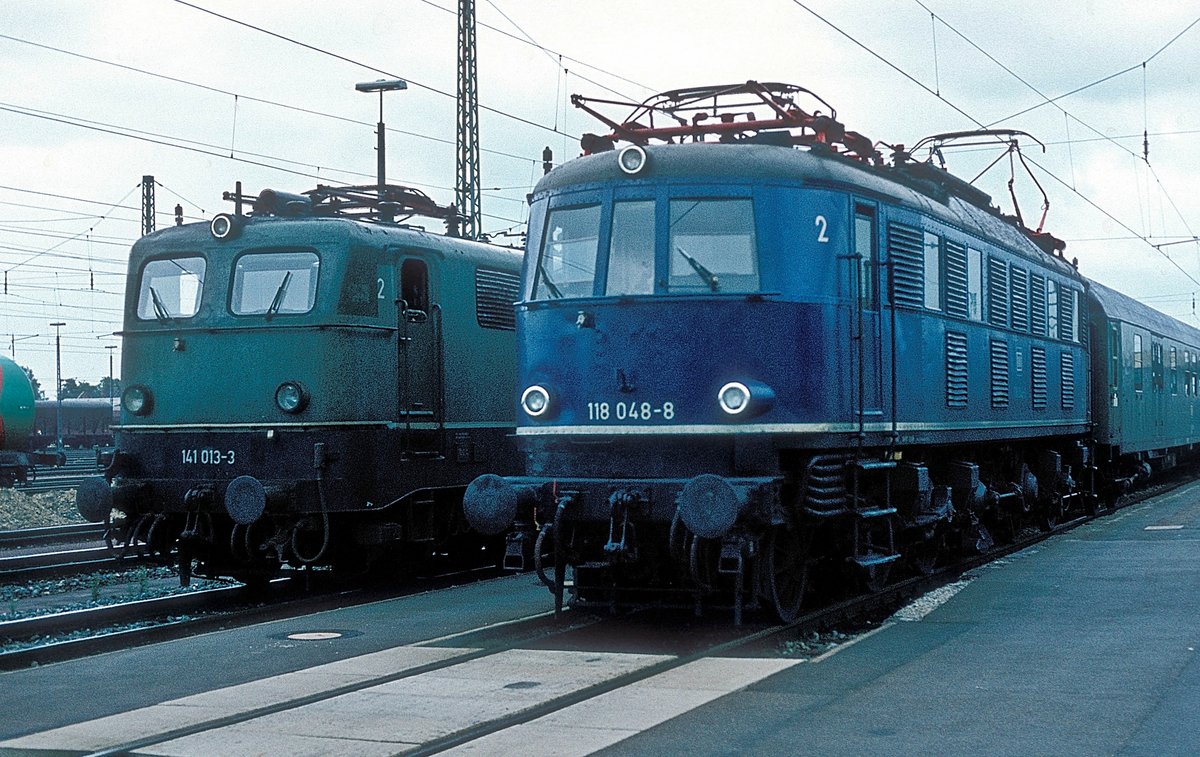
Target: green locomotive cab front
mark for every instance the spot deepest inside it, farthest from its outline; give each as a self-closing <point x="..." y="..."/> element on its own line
<point x="291" y="393"/>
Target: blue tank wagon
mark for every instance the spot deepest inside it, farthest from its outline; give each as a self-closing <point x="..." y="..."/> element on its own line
<point x="311" y="383"/>
<point x="747" y="346"/>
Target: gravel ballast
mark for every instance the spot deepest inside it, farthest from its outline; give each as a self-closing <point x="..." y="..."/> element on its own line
<point x="21" y="510"/>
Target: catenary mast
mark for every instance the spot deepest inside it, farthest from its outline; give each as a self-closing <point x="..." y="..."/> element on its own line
<point x="467" y="183"/>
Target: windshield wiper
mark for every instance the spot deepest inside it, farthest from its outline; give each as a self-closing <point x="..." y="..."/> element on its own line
<point x="279" y="293"/>
<point x="160" y="309"/>
<point x="709" y="277"/>
<point x="555" y="292"/>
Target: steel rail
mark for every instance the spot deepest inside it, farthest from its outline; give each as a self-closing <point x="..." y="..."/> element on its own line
<point x="24" y="537"/>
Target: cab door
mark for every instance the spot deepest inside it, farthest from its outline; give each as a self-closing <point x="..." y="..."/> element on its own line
<point x="866" y="325"/>
<point x="418" y="353"/>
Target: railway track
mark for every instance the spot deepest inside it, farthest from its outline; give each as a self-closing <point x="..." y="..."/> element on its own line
<point x="81" y="464"/>
<point x="43" y="535"/>
<point x="23" y="555"/>
<point x="71" y="634"/>
<point x="42" y="566"/>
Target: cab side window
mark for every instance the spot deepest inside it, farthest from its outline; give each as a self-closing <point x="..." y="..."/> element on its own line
<point x="414" y="285"/>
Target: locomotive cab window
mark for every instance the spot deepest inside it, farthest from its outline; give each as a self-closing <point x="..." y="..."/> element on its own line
<point x="864" y="250"/>
<point x="171" y="288"/>
<point x="567" y="261"/>
<point x="270" y="283"/>
<point x="712" y="246"/>
<point x="631" y="249"/>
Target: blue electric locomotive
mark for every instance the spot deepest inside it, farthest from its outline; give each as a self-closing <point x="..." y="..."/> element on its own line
<point x="747" y="346"/>
<point x="311" y="383"/>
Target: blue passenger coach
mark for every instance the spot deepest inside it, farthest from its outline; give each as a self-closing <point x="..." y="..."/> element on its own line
<point x="747" y="346"/>
<point x="1147" y="367"/>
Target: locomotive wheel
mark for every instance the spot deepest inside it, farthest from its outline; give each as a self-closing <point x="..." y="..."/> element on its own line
<point x="923" y="555"/>
<point x="702" y="563"/>
<point x="1052" y="513"/>
<point x="786" y="572"/>
<point x="114" y="536"/>
<point x="875" y="577"/>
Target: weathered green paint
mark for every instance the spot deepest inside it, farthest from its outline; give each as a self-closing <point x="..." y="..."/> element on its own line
<point x="220" y="368"/>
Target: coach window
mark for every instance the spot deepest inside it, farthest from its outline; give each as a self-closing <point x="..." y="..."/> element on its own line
<point x="712" y="246"/>
<point x="933" y="271"/>
<point x="567" y="263"/>
<point x="1156" y="366"/>
<point x="864" y="250"/>
<point x="1173" y="365"/>
<point x="975" y="284"/>
<point x="631" y="249"/>
<point x="171" y="288"/>
<point x="1139" y="383"/>
<point x="1114" y="355"/>
<point x="274" y="282"/>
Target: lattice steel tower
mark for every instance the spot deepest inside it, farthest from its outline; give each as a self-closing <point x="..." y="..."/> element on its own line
<point x="466" y="192"/>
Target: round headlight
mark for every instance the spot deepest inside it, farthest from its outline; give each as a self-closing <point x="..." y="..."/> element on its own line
<point x="734" y="397"/>
<point x="290" y="397"/>
<point x="535" y="400"/>
<point x="632" y="159"/>
<point x="137" y="400"/>
<point x="224" y="226"/>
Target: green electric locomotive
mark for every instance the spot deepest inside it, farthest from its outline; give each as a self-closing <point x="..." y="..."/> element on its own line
<point x="311" y="383"/>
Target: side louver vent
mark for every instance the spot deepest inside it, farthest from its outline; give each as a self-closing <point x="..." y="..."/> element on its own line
<point x="997" y="289"/>
<point x="495" y="293"/>
<point x="1037" y="365"/>
<point x="908" y="265"/>
<point x="1066" y="314"/>
<point x="999" y="349"/>
<point x="1068" y="381"/>
<point x="1037" y="304"/>
<point x="1018" y="281"/>
<point x="956" y="280"/>
<point x="956" y="369"/>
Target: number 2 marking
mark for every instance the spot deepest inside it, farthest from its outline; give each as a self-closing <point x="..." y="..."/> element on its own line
<point x="380" y="283"/>
<point x="822" y="226"/>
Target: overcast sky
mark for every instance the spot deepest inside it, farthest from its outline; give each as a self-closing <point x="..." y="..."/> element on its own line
<point x="170" y="90"/>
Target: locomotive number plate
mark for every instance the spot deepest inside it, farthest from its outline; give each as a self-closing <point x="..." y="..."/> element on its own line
<point x="630" y="411"/>
<point x="207" y="457"/>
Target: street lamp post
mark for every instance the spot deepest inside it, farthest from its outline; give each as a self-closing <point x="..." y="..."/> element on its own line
<point x="110" y="348"/>
<point x="381" y="86"/>
<point x="58" y="385"/>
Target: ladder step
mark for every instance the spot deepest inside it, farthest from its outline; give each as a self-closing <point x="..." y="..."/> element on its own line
<point x="875" y="558"/>
<point x="878" y="512"/>
<point x="832" y="513"/>
<point x="874" y="465"/>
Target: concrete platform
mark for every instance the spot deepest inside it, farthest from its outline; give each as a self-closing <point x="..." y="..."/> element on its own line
<point x="1085" y="645"/>
<point x="38" y="699"/>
